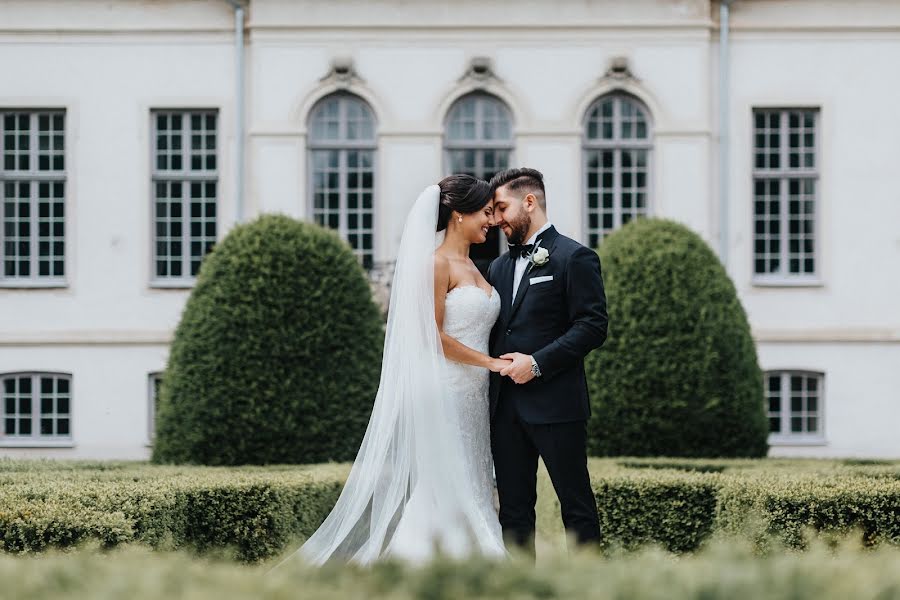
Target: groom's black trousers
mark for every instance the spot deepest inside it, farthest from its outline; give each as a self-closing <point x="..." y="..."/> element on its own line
<point x="516" y="446"/>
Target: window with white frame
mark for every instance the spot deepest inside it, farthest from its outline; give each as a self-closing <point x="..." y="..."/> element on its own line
<point x="342" y="147"/>
<point x="478" y="138"/>
<point x="32" y="197"/>
<point x="185" y="176"/>
<point x="785" y="194"/>
<point x="617" y="145"/>
<point x="36" y="407"/>
<point x="794" y="404"/>
<point x="154" y="383"/>
<point x="479" y="141"/>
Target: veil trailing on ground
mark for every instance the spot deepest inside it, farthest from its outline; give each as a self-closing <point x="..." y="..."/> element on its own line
<point x="408" y="492"/>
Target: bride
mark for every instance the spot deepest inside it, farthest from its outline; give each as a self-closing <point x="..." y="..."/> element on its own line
<point x="422" y="480"/>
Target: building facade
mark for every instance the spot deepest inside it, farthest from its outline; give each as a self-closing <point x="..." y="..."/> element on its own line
<point x="133" y="138"/>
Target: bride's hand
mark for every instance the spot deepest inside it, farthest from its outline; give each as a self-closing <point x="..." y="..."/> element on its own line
<point x="498" y="364"/>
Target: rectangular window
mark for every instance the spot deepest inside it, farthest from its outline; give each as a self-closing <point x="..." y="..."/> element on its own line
<point x="343" y="193"/>
<point x="785" y="195"/>
<point x="616" y="187"/>
<point x="36" y="407"/>
<point x="185" y="191"/>
<point x="32" y="197"/>
<point x="794" y="406"/>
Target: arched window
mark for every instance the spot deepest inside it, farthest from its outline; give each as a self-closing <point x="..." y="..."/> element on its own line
<point x="478" y="140"/>
<point x="36" y="406"/>
<point x="342" y="170"/>
<point x="617" y="146"/>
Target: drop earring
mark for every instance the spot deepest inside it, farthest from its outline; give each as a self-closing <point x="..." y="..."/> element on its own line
<point x="459" y="219"/>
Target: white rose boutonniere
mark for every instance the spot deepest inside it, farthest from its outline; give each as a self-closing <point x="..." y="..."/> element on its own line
<point x="540" y="257"/>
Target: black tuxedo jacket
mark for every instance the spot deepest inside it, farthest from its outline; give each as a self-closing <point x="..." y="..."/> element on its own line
<point x="559" y="316"/>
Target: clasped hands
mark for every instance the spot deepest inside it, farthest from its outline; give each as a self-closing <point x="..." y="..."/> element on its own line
<point x="515" y="365"/>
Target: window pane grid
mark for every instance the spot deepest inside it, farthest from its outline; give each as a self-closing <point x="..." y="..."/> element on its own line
<point x="793" y="403"/>
<point x="202" y="234"/>
<point x="342" y="159"/>
<point x="36" y="406"/>
<point x="478" y="163"/>
<point x="773" y="402"/>
<point x="479" y="141"/>
<point x="32" y="196"/>
<point x="785" y="192"/>
<point x="479" y="121"/>
<point x="185" y="190"/>
<point x="343" y="121"/>
<point x="479" y="136"/>
<point x="617" y="146"/>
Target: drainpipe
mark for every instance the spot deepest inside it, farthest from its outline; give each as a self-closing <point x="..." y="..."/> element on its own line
<point x="239" y="108"/>
<point x="724" y="129"/>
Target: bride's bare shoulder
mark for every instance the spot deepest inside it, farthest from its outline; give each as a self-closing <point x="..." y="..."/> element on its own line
<point x="441" y="267"/>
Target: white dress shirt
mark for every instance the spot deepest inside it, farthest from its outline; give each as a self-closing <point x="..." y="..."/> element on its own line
<point x="522" y="261"/>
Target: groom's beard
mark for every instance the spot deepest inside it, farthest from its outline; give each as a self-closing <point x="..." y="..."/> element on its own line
<point x="519" y="229"/>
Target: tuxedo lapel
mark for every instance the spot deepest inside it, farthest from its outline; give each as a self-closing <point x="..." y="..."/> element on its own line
<point x="520" y="293"/>
<point x="548" y="241"/>
<point x="506" y="282"/>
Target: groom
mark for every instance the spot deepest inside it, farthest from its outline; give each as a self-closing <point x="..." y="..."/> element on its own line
<point x="553" y="312"/>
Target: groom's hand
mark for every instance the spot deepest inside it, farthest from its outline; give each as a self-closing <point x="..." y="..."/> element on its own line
<point x="520" y="369"/>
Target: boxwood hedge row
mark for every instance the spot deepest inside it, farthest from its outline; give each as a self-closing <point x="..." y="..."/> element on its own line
<point x="260" y="512"/>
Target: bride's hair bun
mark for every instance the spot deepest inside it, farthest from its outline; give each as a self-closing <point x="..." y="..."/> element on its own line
<point x="463" y="193"/>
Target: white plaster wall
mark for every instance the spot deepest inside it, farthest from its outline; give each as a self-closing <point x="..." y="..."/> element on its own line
<point x="108" y="64"/>
<point x="110" y="396"/>
<point x="411" y="82"/>
<point x="861" y="398"/>
<point x="859" y="201"/>
<point x="108" y="87"/>
<point x="837" y="58"/>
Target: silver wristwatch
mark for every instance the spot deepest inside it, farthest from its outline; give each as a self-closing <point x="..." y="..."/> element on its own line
<point x="535" y="370"/>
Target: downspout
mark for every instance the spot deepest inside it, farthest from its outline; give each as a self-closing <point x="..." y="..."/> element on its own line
<point x="239" y="109"/>
<point x="724" y="129"/>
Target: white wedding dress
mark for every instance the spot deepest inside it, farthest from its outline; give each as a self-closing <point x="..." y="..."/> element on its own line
<point x="422" y="482"/>
<point x="469" y="316"/>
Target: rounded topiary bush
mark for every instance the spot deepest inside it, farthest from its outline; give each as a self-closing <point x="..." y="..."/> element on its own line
<point x="678" y="375"/>
<point x="277" y="355"/>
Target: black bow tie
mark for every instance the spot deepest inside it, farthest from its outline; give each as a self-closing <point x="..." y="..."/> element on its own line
<point x="520" y="250"/>
<point x="523" y="250"/>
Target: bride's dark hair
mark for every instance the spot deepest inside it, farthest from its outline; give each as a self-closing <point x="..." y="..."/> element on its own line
<point x="463" y="193"/>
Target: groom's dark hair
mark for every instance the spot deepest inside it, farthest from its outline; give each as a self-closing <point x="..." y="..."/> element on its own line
<point x="525" y="180"/>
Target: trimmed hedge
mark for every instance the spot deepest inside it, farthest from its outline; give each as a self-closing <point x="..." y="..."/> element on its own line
<point x="258" y="513"/>
<point x="277" y="355"/>
<point x="723" y="572"/>
<point x="789" y="508"/>
<point x="674" y="510"/>
<point x="253" y="513"/>
<point x="678" y="375"/>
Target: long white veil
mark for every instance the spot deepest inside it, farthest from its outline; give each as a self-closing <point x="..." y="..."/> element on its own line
<point x="407" y="493"/>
